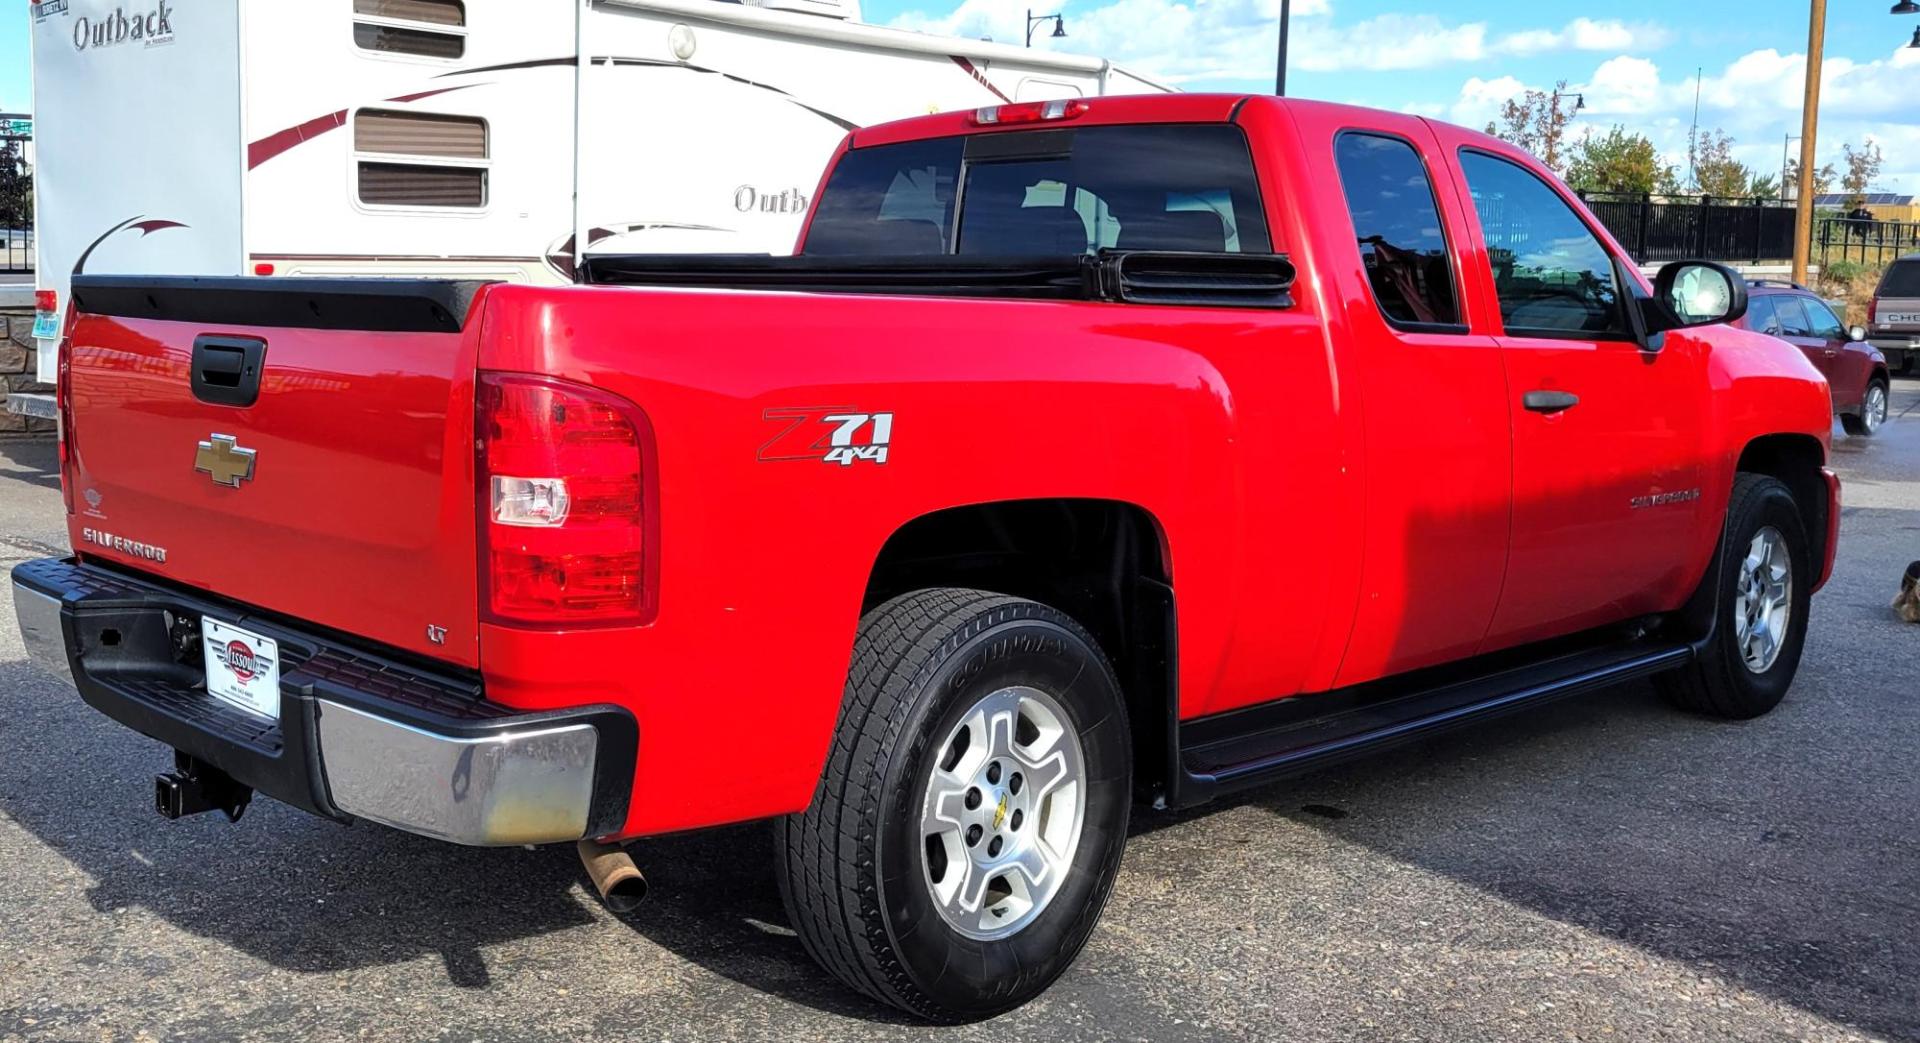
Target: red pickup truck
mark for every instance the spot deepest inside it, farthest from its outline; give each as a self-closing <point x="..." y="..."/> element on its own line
<point x="1087" y="454"/>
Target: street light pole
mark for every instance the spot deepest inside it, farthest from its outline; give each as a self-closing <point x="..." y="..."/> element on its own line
<point x="1809" y="126"/>
<point x="1280" y="78"/>
<point x="1059" y="25"/>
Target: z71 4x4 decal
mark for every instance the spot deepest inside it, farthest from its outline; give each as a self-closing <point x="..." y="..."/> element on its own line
<point x="834" y="434"/>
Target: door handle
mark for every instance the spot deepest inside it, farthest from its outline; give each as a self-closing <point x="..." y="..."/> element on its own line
<point x="1549" y="401"/>
<point x="225" y="371"/>
<point x="1830" y="353"/>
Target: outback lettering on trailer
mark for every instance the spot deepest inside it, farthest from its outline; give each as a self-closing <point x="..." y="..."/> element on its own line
<point x="834" y="434"/>
<point x="154" y="26"/>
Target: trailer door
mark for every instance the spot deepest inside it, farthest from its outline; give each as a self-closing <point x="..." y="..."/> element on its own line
<point x="139" y="162"/>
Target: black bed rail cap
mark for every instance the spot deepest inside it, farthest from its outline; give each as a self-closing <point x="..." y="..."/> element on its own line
<point x="1130" y="276"/>
<point x="341" y="303"/>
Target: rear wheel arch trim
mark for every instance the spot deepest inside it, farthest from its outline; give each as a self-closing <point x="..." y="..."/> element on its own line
<point x="1141" y="641"/>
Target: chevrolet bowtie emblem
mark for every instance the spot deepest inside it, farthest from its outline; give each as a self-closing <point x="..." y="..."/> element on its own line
<point x="226" y="462"/>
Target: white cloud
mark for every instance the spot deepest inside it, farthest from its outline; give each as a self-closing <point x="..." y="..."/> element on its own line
<point x="1755" y="98"/>
<point x="1584" y="34"/>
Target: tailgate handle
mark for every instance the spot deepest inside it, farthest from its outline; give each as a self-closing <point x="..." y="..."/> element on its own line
<point x="226" y="370"/>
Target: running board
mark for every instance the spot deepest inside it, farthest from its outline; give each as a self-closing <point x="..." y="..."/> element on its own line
<point x="1249" y="747"/>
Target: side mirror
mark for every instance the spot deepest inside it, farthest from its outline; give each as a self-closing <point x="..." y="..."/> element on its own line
<point x="1694" y="293"/>
<point x="1856" y="334"/>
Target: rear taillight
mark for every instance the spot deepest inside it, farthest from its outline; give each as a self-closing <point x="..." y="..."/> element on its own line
<point x="63" y="418"/>
<point x="46" y="300"/>
<point x="567" y="536"/>
<point x="1873" y="311"/>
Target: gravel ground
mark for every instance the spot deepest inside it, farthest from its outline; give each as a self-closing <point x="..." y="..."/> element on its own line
<point x="1605" y="869"/>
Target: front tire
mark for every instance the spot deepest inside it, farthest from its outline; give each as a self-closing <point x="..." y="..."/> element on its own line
<point x="969" y="823"/>
<point x="1765" y="574"/>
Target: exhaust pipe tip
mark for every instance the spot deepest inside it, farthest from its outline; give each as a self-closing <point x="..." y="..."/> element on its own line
<point x="620" y="883"/>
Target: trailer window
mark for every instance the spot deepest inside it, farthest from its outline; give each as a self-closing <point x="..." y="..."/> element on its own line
<point x="420" y="159"/>
<point x="422" y="28"/>
<point x="1164" y="187"/>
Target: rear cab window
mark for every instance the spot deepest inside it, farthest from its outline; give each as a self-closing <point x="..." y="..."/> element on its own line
<point x="1169" y="187"/>
<point x="1902" y="279"/>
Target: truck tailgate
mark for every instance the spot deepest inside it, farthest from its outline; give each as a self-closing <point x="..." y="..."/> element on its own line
<point x="340" y="491"/>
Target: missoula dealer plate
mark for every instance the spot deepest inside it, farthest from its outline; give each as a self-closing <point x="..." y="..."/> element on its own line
<point x="243" y="668"/>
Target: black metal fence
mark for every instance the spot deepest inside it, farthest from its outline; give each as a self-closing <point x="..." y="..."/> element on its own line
<point x="16" y="250"/>
<point x="1672" y="228"/>
<point x="1872" y="243"/>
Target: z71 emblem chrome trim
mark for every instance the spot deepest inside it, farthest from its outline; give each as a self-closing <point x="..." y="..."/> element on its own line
<point x="224" y="461"/>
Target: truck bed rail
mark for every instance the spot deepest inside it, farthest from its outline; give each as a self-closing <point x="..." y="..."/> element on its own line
<point x="1136" y="276"/>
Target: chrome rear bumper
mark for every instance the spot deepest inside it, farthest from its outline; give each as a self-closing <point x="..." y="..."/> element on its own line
<point x="360" y="735"/>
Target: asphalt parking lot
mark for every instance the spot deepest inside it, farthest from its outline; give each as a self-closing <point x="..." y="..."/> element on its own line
<point x="1605" y="869"/>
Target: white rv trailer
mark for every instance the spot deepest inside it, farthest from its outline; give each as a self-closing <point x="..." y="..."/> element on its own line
<point x="461" y="137"/>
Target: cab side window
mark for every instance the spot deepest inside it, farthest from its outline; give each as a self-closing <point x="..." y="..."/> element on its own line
<point x="1390" y="198"/>
<point x="1824" y="322"/>
<point x="1553" y="277"/>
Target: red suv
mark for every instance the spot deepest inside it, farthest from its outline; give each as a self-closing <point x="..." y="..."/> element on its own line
<point x="1856" y="371"/>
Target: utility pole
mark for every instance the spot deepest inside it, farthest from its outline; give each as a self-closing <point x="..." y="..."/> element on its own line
<point x="1280" y="77"/>
<point x="1809" y="126"/>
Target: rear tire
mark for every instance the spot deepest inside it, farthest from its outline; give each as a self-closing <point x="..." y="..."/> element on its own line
<point x="964" y="711"/>
<point x="1873" y="410"/>
<point x="1765" y="573"/>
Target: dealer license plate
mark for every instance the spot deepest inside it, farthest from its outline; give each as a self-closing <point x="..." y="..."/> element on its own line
<point x="243" y="668"/>
<point x="46" y="325"/>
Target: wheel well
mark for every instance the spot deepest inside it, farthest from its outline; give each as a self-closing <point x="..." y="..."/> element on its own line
<point x="1796" y="461"/>
<point x="1880" y="374"/>
<point x="1103" y="562"/>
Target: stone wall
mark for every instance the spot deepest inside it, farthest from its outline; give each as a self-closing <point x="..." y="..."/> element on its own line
<point x="17" y="373"/>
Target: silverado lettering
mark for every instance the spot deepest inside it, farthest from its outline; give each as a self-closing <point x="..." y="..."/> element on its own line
<point x="1247" y="434"/>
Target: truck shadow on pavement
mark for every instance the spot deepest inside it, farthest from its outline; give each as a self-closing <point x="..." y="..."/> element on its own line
<point x="1781" y="855"/>
<point x="313" y="897"/>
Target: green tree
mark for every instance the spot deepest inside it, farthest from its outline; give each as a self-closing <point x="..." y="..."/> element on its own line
<point x="1715" y="171"/>
<point x="1617" y="161"/>
<point x="1537" y="121"/>
<point x="16" y="188"/>
<point x="1863" y="165"/>
<point x="1823" y="178"/>
<point x="1763" y="186"/>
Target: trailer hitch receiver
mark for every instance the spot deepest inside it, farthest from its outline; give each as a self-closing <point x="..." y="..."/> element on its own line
<point x="194" y="786"/>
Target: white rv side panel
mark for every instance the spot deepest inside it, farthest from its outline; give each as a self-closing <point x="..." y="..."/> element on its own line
<point x="137" y="116"/>
<point x="709" y="125"/>
<point x="309" y="83"/>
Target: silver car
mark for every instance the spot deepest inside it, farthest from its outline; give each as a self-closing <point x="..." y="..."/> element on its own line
<point x="1893" y="322"/>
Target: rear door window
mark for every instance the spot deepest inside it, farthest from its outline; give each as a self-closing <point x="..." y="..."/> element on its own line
<point x="1397" y="225"/>
<point x="1793" y="317"/>
<point x="1187" y="187"/>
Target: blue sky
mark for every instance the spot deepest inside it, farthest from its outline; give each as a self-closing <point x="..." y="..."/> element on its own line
<point x="1634" y="59"/>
